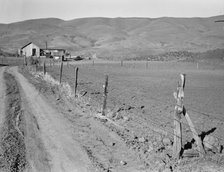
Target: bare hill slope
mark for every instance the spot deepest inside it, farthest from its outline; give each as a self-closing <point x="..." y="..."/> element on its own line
<point x="117" y="37"/>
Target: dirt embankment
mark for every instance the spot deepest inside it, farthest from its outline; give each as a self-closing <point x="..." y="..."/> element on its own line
<point x="13" y="149"/>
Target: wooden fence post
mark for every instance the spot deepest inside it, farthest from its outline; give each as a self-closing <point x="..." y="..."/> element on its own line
<point x="179" y="96"/>
<point x="24" y="61"/>
<point x="93" y="62"/>
<point x="61" y="70"/>
<point x="105" y="96"/>
<point x="36" y="66"/>
<point x="147" y="64"/>
<point x="44" y="68"/>
<point x="195" y="134"/>
<point x="76" y="80"/>
<point x="121" y="62"/>
<point x="179" y="110"/>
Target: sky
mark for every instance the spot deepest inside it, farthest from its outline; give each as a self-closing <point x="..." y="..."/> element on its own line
<point x="19" y="10"/>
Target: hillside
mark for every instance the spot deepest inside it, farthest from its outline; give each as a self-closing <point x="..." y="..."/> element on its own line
<point x="117" y="37"/>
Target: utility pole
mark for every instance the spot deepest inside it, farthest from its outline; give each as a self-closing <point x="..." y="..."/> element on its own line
<point x="46" y="44"/>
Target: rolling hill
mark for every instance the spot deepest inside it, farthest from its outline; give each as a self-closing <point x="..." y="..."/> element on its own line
<point x="115" y="38"/>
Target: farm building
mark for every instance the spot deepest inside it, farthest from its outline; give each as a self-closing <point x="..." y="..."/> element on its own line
<point x="52" y="52"/>
<point x="30" y="49"/>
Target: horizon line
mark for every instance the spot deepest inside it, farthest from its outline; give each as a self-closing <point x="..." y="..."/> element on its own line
<point x="109" y="18"/>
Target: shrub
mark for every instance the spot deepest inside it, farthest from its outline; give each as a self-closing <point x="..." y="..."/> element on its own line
<point x="33" y="60"/>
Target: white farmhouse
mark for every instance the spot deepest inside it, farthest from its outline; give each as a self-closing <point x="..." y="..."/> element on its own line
<point x="29" y="50"/>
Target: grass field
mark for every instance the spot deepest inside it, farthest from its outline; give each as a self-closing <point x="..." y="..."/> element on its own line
<point x="144" y="92"/>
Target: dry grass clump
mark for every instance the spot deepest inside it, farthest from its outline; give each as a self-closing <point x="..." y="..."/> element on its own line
<point x="65" y="90"/>
<point x="64" y="87"/>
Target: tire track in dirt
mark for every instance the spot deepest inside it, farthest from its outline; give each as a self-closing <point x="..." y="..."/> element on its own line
<point x="65" y="154"/>
<point x="37" y="157"/>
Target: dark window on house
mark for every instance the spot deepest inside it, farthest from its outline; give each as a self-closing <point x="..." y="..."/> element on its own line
<point x="33" y="52"/>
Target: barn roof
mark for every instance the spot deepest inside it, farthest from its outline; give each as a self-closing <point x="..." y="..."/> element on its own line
<point x="60" y="49"/>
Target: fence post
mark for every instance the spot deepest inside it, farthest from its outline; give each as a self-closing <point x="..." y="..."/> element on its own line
<point x="61" y="70"/>
<point x="195" y="134"/>
<point x="105" y="96"/>
<point x="24" y="61"/>
<point x="76" y="80"/>
<point x="36" y="67"/>
<point x="44" y="68"/>
<point x="121" y="62"/>
<point x="179" y="96"/>
<point x="180" y="109"/>
<point x="93" y="62"/>
<point x="147" y="64"/>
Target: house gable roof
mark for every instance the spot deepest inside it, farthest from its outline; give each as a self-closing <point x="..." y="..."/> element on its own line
<point x="28" y="44"/>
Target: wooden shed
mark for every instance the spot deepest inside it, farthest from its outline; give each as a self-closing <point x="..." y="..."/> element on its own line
<point x="29" y="50"/>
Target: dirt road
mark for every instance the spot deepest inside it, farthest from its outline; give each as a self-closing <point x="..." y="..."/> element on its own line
<point x="64" y="154"/>
<point x="48" y="139"/>
<point x="50" y="147"/>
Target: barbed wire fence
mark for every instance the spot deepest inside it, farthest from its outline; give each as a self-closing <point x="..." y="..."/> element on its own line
<point x="174" y="134"/>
